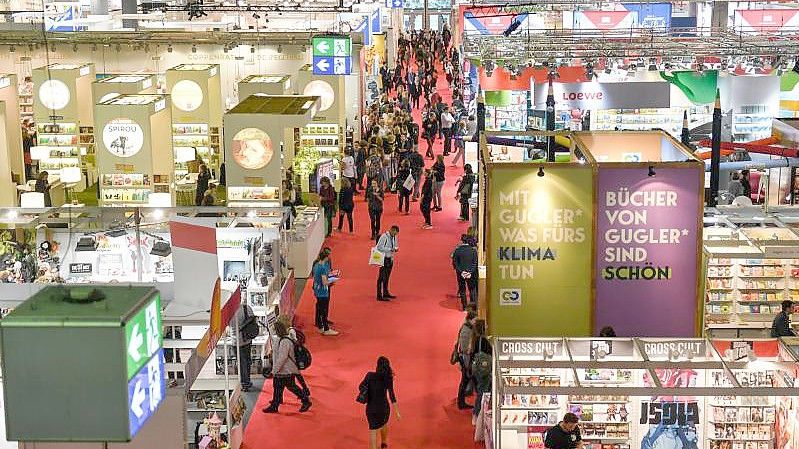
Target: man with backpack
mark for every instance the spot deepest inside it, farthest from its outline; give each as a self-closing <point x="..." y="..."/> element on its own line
<point x="246" y="325"/>
<point x="285" y="370"/>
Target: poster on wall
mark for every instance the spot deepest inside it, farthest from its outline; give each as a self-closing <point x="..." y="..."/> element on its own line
<point x="123" y="137"/>
<point x="647" y="235"/>
<point x="670" y="422"/>
<point x="252" y="148"/>
<point x="539" y="256"/>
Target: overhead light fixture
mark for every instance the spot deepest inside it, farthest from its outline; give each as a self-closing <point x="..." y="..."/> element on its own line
<point x="169" y="48"/>
<point x="86" y="243"/>
<point x="279" y="48"/>
<point x="75" y="48"/>
<point x="589" y="71"/>
<point x="252" y="49"/>
<point x="651" y="172"/>
<point x="194" y="49"/>
<point x="118" y="232"/>
<point x="303" y="49"/>
<point x="11" y="49"/>
<point x="94" y="47"/>
<point x="540" y="172"/>
<point x="161" y="248"/>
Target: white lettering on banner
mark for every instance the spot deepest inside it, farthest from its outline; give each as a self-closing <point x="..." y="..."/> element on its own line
<point x="663" y="348"/>
<point x="529" y="347"/>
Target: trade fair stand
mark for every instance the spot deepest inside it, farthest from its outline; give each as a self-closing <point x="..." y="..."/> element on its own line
<point x="645" y="392"/>
<point x="609" y="236"/>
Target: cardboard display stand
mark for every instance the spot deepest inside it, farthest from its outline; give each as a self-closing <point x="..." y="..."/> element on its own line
<point x="63" y="111"/>
<point x="109" y="87"/>
<point x="196" y="96"/>
<point x="10" y="140"/>
<point x="265" y="84"/>
<point x="252" y="139"/>
<point x="134" y="149"/>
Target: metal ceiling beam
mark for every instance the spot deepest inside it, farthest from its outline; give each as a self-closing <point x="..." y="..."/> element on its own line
<point x="249" y="37"/>
<point x="541" y="45"/>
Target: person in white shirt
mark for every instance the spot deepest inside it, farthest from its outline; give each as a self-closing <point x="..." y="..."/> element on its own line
<point x="447" y="120"/>
<point x="388" y="245"/>
<point x="348" y="168"/>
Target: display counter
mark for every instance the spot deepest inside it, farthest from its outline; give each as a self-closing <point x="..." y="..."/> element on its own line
<point x="307" y="240"/>
<point x="645" y="392"/>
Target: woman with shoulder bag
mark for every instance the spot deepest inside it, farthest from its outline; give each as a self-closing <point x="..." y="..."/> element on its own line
<point x="375" y="391"/>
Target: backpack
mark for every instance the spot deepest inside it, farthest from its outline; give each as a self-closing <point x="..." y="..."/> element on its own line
<point x="481" y="365"/>
<point x="249" y="328"/>
<point x="302" y="356"/>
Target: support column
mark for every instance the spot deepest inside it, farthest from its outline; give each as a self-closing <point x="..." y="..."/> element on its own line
<point x="719" y="15"/>
<point x="129" y="7"/>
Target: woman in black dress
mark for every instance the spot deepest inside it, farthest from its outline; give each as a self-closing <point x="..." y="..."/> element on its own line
<point x="378" y="384"/>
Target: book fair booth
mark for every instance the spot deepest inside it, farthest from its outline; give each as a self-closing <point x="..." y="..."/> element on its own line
<point x="622" y="212"/>
<point x="247" y="250"/>
<point x="644" y="392"/>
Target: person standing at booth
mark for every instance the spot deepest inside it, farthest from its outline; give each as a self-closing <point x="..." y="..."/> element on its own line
<point x="202" y="184"/>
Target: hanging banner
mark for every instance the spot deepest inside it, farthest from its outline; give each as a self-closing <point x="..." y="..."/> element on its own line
<point x="604" y="20"/>
<point x="647" y="235"/>
<point x="539" y="255"/>
<point x="651" y="15"/>
<point x="766" y="21"/>
<point x="487" y="22"/>
<point x="700" y="88"/>
<point x="650" y="94"/>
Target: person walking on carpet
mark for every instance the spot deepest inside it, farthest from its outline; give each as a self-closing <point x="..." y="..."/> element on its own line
<point x="285" y="371"/>
<point x="322" y="280"/>
<point x="463" y="349"/>
<point x="374" y="198"/>
<point x="388" y="245"/>
<point x="427" y="199"/>
<point x="377" y="388"/>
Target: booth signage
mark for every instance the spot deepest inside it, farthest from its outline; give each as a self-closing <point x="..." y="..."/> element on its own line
<point x="529" y="347"/>
<point x="143" y="336"/>
<point x="593" y="95"/>
<point x="146" y="391"/>
<point x="666" y="348"/>
<point x="540" y="246"/>
<point x="647" y="238"/>
<point x="123" y="137"/>
<point x="80" y="268"/>
<point x="54" y="94"/>
<point x="5" y="82"/>
<point x="394" y="4"/>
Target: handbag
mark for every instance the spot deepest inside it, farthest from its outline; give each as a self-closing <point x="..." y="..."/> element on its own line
<point x="376" y="257"/>
<point x="453" y="358"/>
<point x="266" y="371"/>
<point x="409" y="182"/>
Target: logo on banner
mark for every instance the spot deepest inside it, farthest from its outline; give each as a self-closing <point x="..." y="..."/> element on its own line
<point x="123" y="137"/>
<point x="510" y="297"/>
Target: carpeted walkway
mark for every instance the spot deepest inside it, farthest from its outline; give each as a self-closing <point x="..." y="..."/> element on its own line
<point x="416" y="332"/>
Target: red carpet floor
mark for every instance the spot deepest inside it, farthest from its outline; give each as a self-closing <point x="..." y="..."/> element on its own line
<point x="416" y="332"/>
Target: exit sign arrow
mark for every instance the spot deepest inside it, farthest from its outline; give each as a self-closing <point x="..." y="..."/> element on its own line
<point x="139" y="395"/>
<point x="136" y="341"/>
<point x="323" y="65"/>
<point x="323" y="46"/>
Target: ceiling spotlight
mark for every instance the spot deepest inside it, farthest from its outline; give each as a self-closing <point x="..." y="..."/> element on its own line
<point x="194" y="49"/>
<point x="514" y="25"/>
<point x="118" y="48"/>
<point x="94" y="47"/>
<point x="651" y="172"/>
<point x="75" y="48"/>
<point x="303" y="49"/>
<point x="589" y="71"/>
<point x="280" y="48"/>
<point x="147" y="48"/>
<point x="540" y="172"/>
<point x="11" y="49"/>
<point x="252" y="50"/>
<point x="653" y="64"/>
<point x="169" y="48"/>
<point x="256" y="16"/>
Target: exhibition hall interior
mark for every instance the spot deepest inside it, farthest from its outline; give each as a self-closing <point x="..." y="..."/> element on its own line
<point x="560" y="224"/>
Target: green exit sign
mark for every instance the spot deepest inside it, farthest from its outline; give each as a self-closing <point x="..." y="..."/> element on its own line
<point x="335" y="46"/>
<point x="143" y="336"/>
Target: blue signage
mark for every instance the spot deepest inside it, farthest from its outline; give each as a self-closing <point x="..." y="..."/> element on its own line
<point x="651" y="15"/>
<point x="393" y="4"/>
<point x="146" y="391"/>
<point x="332" y="65"/>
